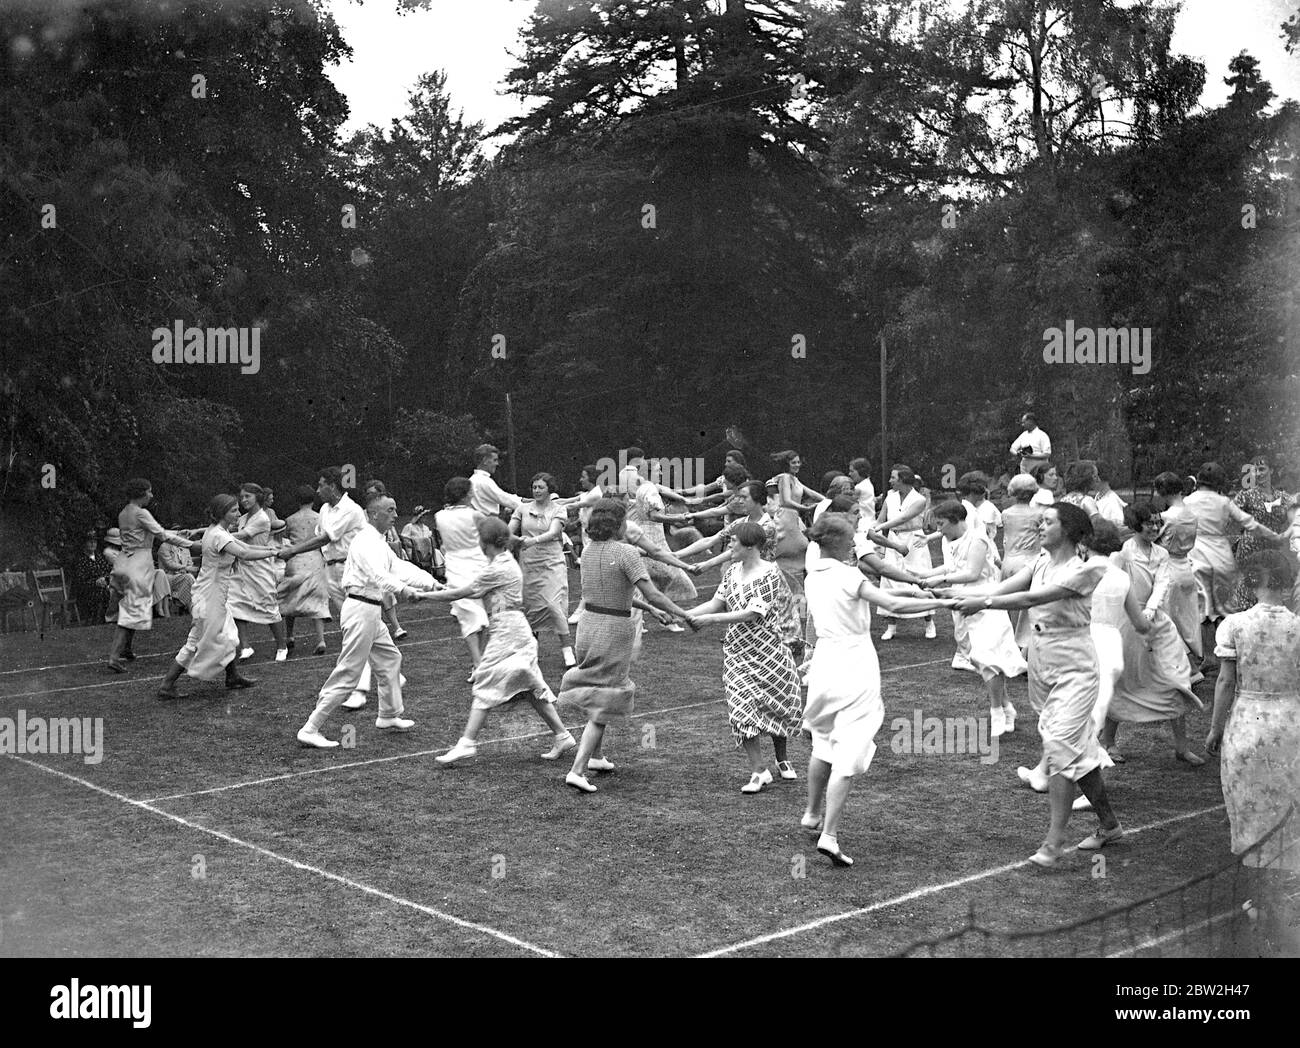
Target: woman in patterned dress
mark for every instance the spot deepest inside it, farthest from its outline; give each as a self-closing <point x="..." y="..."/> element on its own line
<point x="1063" y="676"/>
<point x="1178" y="536"/>
<point x="904" y="511"/>
<point x="747" y="503"/>
<point x="539" y="522"/>
<point x="253" y="597"/>
<point x="303" y="592"/>
<point x="1267" y="505"/>
<point x="758" y="671"/>
<point x="1217" y="517"/>
<point x="133" y="572"/>
<point x="1256" y="721"/>
<point x="612" y="573"/>
<point x="508" y="668"/>
<point x="1155" y="684"/>
<point x="1080" y="482"/>
<point x="213" y="640"/>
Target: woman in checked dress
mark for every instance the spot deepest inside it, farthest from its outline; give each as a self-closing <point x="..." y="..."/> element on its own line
<point x="508" y="668"/>
<point x="612" y="573"/>
<point x="758" y="670"/>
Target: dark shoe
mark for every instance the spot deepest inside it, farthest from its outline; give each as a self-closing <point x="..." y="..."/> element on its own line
<point x="117" y="665"/>
<point x="129" y="655"/>
<point x="170" y="693"/>
<point x="238" y="681"/>
<point x="320" y="649"/>
<point x="289" y="643"/>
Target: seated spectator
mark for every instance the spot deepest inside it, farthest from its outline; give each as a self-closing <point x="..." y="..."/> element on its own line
<point x="87" y="575"/>
<point x="178" y="565"/>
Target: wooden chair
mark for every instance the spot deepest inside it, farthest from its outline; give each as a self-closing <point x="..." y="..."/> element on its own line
<point x="16" y="600"/>
<point x="50" y="588"/>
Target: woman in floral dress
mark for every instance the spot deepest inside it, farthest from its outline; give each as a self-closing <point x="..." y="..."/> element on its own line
<point x="758" y="670"/>
<point x="1268" y="506"/>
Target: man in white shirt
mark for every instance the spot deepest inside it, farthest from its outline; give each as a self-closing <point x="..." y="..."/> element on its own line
<point x="484" y="495"/>
<point x="1033" y="445"/>
<point x="370" y="573"/>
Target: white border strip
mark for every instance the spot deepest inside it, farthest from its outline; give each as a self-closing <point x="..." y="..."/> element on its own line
<point x="428" y="911"/>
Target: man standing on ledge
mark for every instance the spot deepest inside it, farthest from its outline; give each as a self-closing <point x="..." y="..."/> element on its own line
<point x="484" y="495"/>
<point x="1033" y="445"/>
<point x="370" y="573"/>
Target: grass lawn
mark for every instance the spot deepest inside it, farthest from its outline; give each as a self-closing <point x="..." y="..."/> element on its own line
<point x="207" y="830"/>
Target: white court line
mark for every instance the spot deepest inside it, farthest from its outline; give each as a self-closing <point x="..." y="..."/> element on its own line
<point x="400" y="757"/>
<point x="426" y="753"/>
<point x="428" y="911"/>
<point x="932" y="889"/>
<point x="1150" y="944"/>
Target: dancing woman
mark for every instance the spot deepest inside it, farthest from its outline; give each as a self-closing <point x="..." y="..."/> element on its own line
<point x="1155" y="684"/>
<point x="612" y="572"/>
<point x="1045" y="476"/>
<point x="1063" y="679"/>
<point x="1269" y="506"/>
<point x="213" y="641"/>
<point x="844" y="709"/>
<point x="1021" y="541"/>
<point x="758" y="670"/>
<point x="1178" y="537"/>
<point x="457" y="526"/>
<point x="903" y="513"/>
<point x="539" y="522"/>
<point x="253" y="595"/>
<point x="507" y="669"/>
<point x="1256" y="722"/>
<point x="748" y="505"/>
<point x="133" y="572"/>
<point x="648" y="514"/>
<point x="304" y="590"/>
<point x="1080" y="482"/>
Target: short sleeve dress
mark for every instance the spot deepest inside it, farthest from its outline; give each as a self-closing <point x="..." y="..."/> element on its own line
<point x="1260" y="768"/>
<point x="607" y="632"/>
<point x="918" y="556"/>
<point x="213" y="639"/>
<point x="1063" y="673"/>
<point x="134" y="575"/>
<point x="1272" y="513"/>
<point x="1217" y="520"/>
<point x="253" y="596"/>
<point x="546" y="576"/>
<point x="1178" y="536"/>
<point x="304" y="589"/>
<point x="458" y="527"/>
<point x="508" y="667"/>
<point x="758" y="672"/>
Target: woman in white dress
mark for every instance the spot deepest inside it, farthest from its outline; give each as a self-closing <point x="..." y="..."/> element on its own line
<point x="539" y="524"/>
<point x="213" y="640"/>
<point x="303" y="592"/>
<point x="903" y="514"/>
<point x="1063" y="676"/>
<point x="844" y="710"/>
<point x="457" y="527"/>
<point x="1021" y="541"/>
<point x="1178" y="536"/>
<point x="253" y="597"/>
<point x="992" y="642"/>
<point x="508" y="667"/>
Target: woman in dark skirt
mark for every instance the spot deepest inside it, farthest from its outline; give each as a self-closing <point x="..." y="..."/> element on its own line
<point x="612" y="573"/>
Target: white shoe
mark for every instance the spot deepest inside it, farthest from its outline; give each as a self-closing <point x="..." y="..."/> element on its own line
<point x="787" y="770"/>
<point x="890" y="630"/>
<point x="355" y="701"/>
<point x="245" y="653"/>
<point x="997" y="723"/>
<point x="600" y="764"/>
<point x="281" y="654"/>
<point x="675" y="627"/>
<point x="561" y="747"/>
<point x="930" y="632"/>
<point x="961" y="662"/>
<point x="394" y="723"/>
<point x="1009" y="712"/>
<point x="757" y="781"/>
<point x="314" y="738"/>
<point x="579" y="782"/>
<point x="463" y="750"/>
<point x="573" y="619"/>
<point x="1034" y="782"/>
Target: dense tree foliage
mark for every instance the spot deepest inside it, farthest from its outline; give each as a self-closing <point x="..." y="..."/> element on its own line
<point x="709" y="215"/>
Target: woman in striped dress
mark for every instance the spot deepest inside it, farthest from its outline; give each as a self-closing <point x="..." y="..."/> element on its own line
<point x="758" y="670"/>
<point x="133" y="572"/>
<point x="253" y="597"/>
<point x="213" y="640"/>
<point x="612" y="574"/>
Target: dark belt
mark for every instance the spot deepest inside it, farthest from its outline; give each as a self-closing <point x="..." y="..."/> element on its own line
<point x="365" y="600"/>
<point x="607" y="611"/>
<point x="331" y="563"/>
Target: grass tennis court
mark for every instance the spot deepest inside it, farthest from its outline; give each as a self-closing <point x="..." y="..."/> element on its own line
<point x="207" y="830"/>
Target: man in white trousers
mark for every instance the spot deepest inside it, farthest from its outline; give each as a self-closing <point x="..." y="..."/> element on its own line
<point x="341" y="520"/>
<point x="371" y="571"/>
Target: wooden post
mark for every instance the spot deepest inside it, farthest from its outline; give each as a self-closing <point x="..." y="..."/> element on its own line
<point x="884" y="432"/>
<point x="510" y="447"/>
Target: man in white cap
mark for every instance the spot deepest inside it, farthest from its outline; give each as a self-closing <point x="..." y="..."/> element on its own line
<point x="370" y="573"/>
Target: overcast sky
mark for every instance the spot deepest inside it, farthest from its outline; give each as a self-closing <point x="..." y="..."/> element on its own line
<point x="471" y="41"/>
